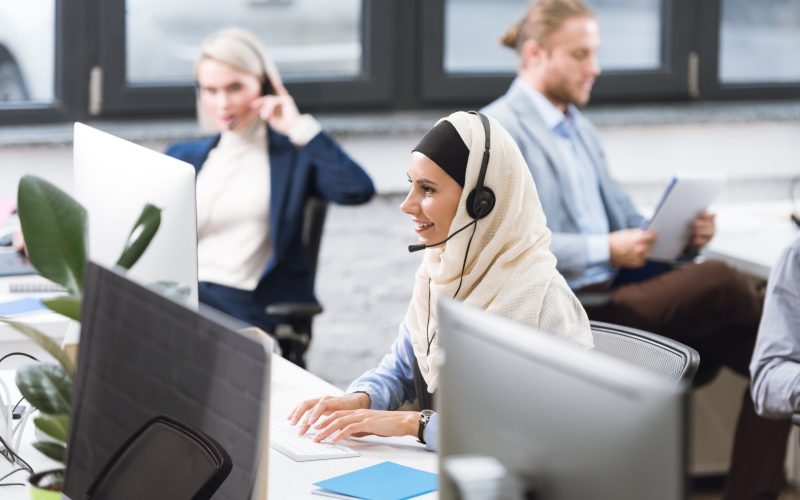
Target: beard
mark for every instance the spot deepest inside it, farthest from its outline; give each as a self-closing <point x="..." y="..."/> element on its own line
<point x="562" y="92"/>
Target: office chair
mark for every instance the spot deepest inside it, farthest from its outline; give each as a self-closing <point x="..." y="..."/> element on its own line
<point x="294" y="334"/>
<point x="654" y="353"/>
<point x="165" y="459"/>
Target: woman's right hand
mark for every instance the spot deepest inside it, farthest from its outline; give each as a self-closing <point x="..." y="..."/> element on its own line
<point x="309" y="411"/>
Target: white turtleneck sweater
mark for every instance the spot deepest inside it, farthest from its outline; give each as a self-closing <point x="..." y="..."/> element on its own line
<point x="233" y="192"/>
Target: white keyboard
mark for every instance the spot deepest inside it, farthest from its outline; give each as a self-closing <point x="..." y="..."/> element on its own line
<point x="302" y="448"/>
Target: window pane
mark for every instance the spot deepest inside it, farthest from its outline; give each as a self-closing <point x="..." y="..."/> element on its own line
<point x="308" y="38"/>
<point x="27" y="51"/>
<point x="630" y="34"/>
<point x="759" y="41"/>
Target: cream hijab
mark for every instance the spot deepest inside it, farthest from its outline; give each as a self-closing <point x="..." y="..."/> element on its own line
<point x="509" y="270"/>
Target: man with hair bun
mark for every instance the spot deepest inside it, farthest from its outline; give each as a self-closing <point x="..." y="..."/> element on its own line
<point x="597" y="230"/>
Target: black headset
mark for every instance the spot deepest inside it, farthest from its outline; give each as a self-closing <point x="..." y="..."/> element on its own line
<point x="481" y="200"/>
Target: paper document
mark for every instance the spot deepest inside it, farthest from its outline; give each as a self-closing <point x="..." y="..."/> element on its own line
<point x="686" y="196"/>
<point x="384" y="481"/>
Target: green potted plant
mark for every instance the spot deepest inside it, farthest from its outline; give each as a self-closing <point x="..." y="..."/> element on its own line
<point x="55" y="230"/>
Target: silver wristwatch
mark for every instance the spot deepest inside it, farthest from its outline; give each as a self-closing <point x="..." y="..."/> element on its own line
<point x="424" y="417"/>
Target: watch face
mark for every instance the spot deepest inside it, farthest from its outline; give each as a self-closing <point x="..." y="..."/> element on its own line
<point x="427" y="413"/>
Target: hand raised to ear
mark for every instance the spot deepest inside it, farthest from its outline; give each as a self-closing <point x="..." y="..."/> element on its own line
<point x="279" y="111"/>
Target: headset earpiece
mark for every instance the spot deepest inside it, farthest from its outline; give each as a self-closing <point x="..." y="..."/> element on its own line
<point x="480" y="205"/>
<point x="481" y="200"/>
<point x="266" y="85"/>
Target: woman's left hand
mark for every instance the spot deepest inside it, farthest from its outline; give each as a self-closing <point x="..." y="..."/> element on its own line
<point x="279" y="111"/>
<point x="359" y="423"/>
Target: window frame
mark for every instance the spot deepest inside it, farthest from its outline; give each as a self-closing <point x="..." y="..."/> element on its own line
<point x="403" y="67"/>
<point x="70" y="75"/>
<point x="371" y="87"/>
<point x="709" y="14"/>
<point x="667" y="82"/>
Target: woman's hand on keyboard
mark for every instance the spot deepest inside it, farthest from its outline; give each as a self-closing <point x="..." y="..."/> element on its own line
<point x="310" y="410"/>
<point x="357" y="423"/>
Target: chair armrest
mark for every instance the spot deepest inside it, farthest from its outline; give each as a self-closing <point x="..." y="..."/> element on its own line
<point x="594" y="300"/>
<point x="294" y="310"/>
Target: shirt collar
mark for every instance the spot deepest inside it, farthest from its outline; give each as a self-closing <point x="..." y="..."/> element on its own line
<point x="554" y="118"/>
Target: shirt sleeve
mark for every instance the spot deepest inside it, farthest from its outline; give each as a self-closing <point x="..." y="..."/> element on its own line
<point x="775" y="367"/>
<point x="306" y="128"/>
<point x="392" y="383"/>
<point x="599" y="249"/>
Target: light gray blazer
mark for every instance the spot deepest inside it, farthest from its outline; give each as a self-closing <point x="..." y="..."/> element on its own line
<point x="517" y="113"/>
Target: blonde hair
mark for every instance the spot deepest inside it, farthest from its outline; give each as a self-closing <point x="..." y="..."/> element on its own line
<point x="542" y="20"/>
<point x="243" y="50"/>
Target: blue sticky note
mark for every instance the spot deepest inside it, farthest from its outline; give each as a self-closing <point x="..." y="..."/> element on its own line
<point x="384" y="481"/>
<point x="21" y="306"/>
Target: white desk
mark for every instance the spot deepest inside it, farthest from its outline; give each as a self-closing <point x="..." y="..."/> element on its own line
<point x="287" y="479"/>
<point x="752" y="236"/>
<point x="292" y="480"/>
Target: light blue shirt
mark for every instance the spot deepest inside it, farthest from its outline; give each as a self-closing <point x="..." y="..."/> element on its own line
<point x="392" y="383"/>
<point x="582" y="185"/>
<point x="775" y="367"/>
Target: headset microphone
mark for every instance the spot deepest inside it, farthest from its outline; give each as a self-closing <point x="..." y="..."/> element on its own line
<point x="421" y="246"/>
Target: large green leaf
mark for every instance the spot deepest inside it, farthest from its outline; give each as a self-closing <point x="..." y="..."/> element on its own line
<point x="141" y="235"/>
<point x="45" y="386"/>
<point x="67" y="305"/>
<point x="54" y="226"/>
<point x="49" y="345"/>
<point x="55" y="426"/>
<point x="57" y="452"/>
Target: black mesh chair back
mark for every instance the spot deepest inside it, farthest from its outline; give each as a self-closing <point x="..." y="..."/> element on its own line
<point x="165" y="459"/>
<point x="316" y="210"/>
<point x="654" y="353"/>
<point x="294" y="335"/>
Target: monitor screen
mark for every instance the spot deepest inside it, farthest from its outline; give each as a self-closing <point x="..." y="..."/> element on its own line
<point x="568" y="423"/>
<point x="143" y="355"/>
<point x="113" y="180"/>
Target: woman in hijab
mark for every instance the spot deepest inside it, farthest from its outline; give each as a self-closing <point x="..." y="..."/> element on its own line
<point x="254" y="176"/>
<point x="499" y="263"/>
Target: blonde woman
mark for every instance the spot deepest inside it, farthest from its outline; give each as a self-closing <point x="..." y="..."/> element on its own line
<point x="493" y="255"/>
<point x="254" y="175"/>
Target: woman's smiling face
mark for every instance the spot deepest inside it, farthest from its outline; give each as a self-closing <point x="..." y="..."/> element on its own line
<point x="432" y="201"/>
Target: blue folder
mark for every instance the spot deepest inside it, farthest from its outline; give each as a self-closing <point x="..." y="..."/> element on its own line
<point x="21" y="306"/>
<point x="384" y="481"/>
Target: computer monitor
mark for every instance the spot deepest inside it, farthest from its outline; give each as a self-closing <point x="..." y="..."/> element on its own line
<point x="567" y="422"/>
<point x="113" y="180"/>
<point x="143" y="355"/>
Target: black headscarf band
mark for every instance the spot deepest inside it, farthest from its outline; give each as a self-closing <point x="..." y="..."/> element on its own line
<point x="444" y="146"/>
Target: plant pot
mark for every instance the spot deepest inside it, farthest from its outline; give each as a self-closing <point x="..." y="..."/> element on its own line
<point x="46" y="485"/>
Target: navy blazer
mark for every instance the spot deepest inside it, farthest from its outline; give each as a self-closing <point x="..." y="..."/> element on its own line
<point x="320" y="168"/>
